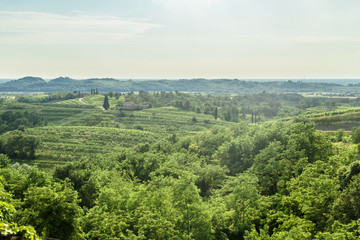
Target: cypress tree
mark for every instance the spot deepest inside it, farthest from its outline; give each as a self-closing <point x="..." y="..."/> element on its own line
<point x="106" y="104"/>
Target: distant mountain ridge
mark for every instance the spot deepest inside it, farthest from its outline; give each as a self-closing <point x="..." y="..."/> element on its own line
<point x="217" y="86"/>
<point x="62" y="80"/>
<point x="26" y="81"/>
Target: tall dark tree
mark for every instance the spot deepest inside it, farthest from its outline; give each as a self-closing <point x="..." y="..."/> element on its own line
<point x="106" y="104"/>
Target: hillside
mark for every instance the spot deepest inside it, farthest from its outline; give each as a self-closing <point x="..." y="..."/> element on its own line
<point x="189" y="167"/>
<point x="219" y="86"/>
<point x="81" y="128"/>
<point x="62" y="80"/>
<point x="23" y="83"/>
<point x="340" y="119"/>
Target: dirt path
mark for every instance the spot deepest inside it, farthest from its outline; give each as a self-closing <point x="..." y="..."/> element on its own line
<point x="81" y="100"/>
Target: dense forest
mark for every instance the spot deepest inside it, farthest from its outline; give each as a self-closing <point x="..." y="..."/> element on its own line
<point x="192" y="166"/>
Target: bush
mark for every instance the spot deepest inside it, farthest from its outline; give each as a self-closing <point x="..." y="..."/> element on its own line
<point x="355" y="135"/>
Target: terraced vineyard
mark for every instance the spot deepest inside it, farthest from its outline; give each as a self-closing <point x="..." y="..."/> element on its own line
<point x="163" y="120"/>
<point x="344" y="119"/>
<point x="61" y="115"/>
<point x="64" y="143"/>
<point x="65" y="112"/>
<point x="80" y="128"/>
<point x="166" y="120"/>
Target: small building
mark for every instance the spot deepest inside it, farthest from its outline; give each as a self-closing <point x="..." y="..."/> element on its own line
<point x="130" y="106"/>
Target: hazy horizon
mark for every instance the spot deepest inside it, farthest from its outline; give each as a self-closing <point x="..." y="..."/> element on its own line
<point x="315" y="80"/>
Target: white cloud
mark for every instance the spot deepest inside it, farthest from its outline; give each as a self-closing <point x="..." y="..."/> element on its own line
<point x="48" y="28"/>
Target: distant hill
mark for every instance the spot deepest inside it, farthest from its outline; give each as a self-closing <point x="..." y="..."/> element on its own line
<point x="3" y="80"/>
<point x="26" y="81"/>
<point x="109" y="80"/>
<point x="217" y="86"/>
<point x="62" y="80"/>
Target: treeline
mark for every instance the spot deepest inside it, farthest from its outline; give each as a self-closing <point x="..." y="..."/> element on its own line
<point x="17" y="145"/>
<point x="11" y="120"/>
<point x="279" y="180"/>
<point x="224" y="107"/>
<point x="55" y="96"/>
<point x="252" y="107"/>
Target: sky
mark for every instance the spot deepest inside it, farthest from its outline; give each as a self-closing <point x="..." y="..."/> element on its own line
<point x="174" y="39"/>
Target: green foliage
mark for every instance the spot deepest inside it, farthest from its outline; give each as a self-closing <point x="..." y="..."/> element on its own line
<point x="210" y="178"/>
<point x="11" y="120"/>
<point x="6" y="209"/>
<point x="236" y="154"/>
<point x="52" y="210"/>
<point x="244" y="199"/>
<point x="355" y="135"/>
<point x="347" y="206"/>
<point x="314" y="181"/>
<point x="95" y="227"/>
<point x="19" y="145"/>
<point x="193" y="217"/>
<point x="294" y="228"/>
<point x="4" y="160"/>
<point x="259" y="106"/>
<point x="154" y="174"/>
<point x="8" y="228"/>
<point x="54" y="96"/>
